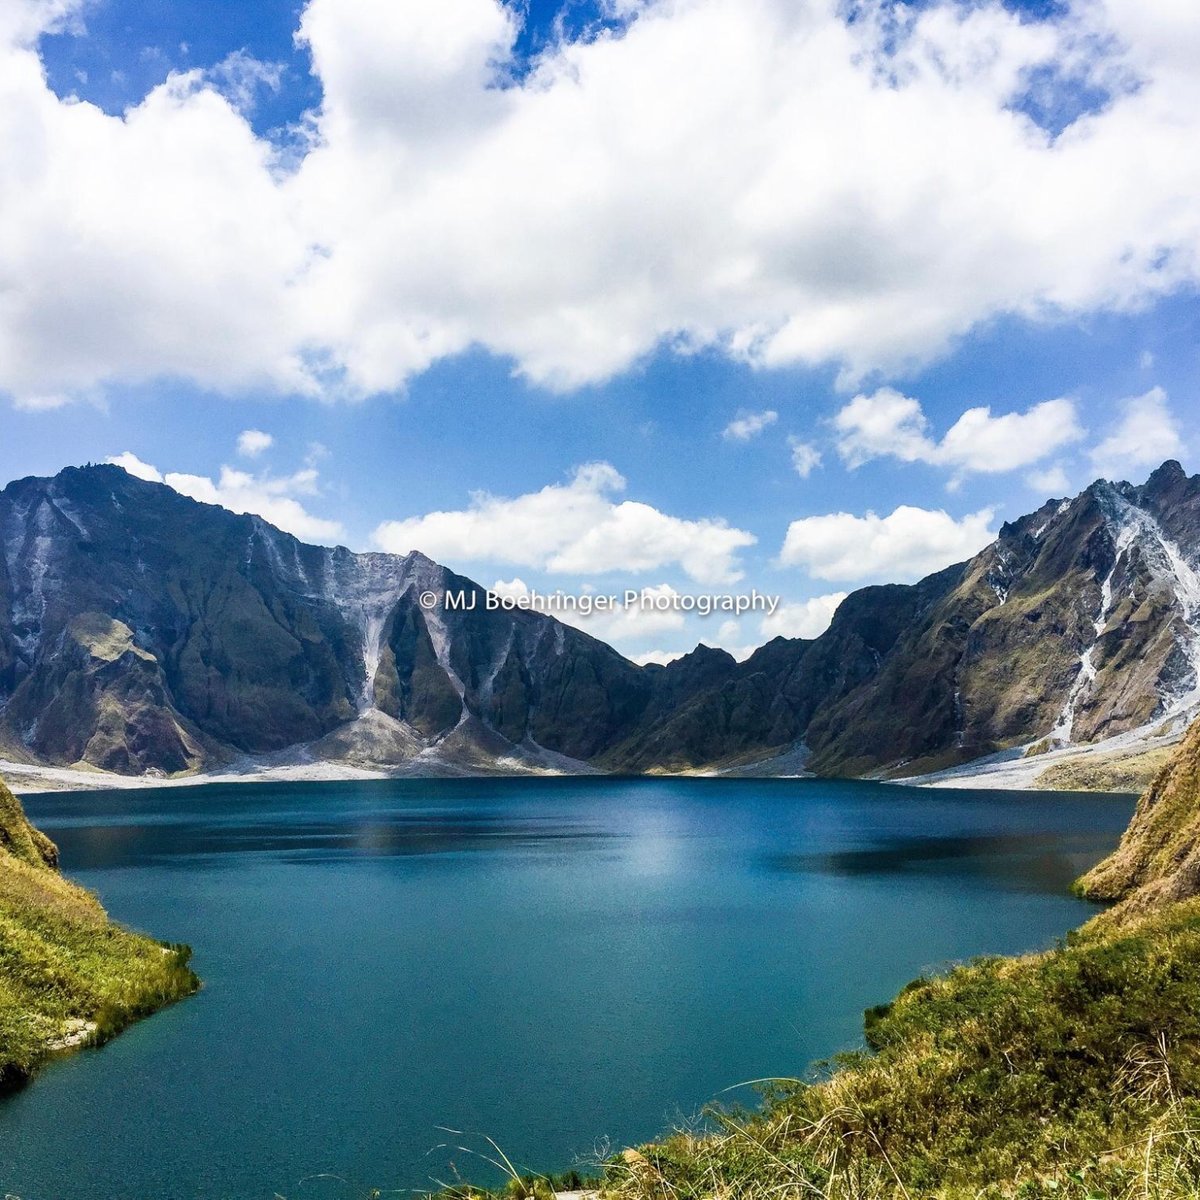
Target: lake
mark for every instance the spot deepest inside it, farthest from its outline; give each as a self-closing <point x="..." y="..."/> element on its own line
<point x="560" y="965"/>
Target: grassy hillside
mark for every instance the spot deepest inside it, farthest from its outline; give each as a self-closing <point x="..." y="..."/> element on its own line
<point x="68" y="975"/>
<point x="1073" y="1073"/>
<point x="1159" y="857"/>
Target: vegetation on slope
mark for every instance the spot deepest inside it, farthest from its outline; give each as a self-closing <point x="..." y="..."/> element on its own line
<point x="1158" y="859"/>
<point x="1115" y="772"/>
<point x="68" y="975"/>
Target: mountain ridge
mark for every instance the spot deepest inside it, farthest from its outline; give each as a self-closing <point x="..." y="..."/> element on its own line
<point x="142" y="632"/>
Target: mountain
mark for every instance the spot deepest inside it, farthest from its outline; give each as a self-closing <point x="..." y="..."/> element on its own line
<point x="1079" y="626"/>
<point x="143" y="632"/>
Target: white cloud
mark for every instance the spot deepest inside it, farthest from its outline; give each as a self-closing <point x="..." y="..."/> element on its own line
<point x="566" y="218"/>
<point x="729" y="637"/>
<point x="23" y="21"/>
<point x="624" y="624"/>
<point x="885" y="423"/>
<point x="747" y="425"/>
<point x="41" y="401"/>
<point x="574" y="528"/>
<point x="130" y="462"/>
<point x="659" y="657"/>
<point x="274" y="498"/>
<point x="1146" y="435"/>
<point x="977" y="441"/>
<point x="253" y="442"/>
<point x="625" y="627"/>
<point x="178" y="198"/>
<point x="1053" y="481"/>
<point x="904" y="546"/>
<point x="805" y="457"/>
<point x="804" y="619"/>
<point x="889" y="424"/>
<point x="241" y="78"/>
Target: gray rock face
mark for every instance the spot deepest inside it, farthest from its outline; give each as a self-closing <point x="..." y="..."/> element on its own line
<point x="143" y="632"/>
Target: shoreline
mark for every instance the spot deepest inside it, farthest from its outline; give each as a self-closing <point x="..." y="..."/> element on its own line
<point x="1009" y="770"/>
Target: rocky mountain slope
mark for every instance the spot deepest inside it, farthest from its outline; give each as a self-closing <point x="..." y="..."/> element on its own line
<point x="143" y="632"/>
<point x="1079" y="626"/>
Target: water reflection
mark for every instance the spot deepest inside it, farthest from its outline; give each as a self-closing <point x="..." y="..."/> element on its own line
<point x="1039" y="861"/>
<point x="330" y="838"/>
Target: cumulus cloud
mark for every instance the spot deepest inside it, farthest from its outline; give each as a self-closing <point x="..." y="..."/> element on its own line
<point x="977" y="441"/>
<point x="275" y="498"/>
<point x="1052" y="481"/>
<point x="889" y="424"/>
<point x="253" y="442"/>
<point x="885" y="423"/>
<point x="177" y="198"/>
<point x="904" y="546"/>
<point x="573" y="528"/>
<point x="747" y="425"/>
<point x="659" y="657"/>
<point x="624" y="624"/>
<point x="563" y="217"/>
<point x="130" y="462"/>
<point x="805" y="457"/>
<point x="803" y="619"/>
<point x="1146" y="434"/>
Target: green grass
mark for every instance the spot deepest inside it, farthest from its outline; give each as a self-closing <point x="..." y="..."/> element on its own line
<point x="64" y="966"/>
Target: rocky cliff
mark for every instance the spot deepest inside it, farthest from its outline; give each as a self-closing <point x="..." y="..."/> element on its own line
<point x="140" y="631"/>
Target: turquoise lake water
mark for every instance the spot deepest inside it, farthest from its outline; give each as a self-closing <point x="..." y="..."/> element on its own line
<point x="561" y="965"/>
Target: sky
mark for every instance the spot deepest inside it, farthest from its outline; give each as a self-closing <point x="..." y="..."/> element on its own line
<point x="694" y="296"/>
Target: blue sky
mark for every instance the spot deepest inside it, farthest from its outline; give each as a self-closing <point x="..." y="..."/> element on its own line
<point x="847" y="305"/>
